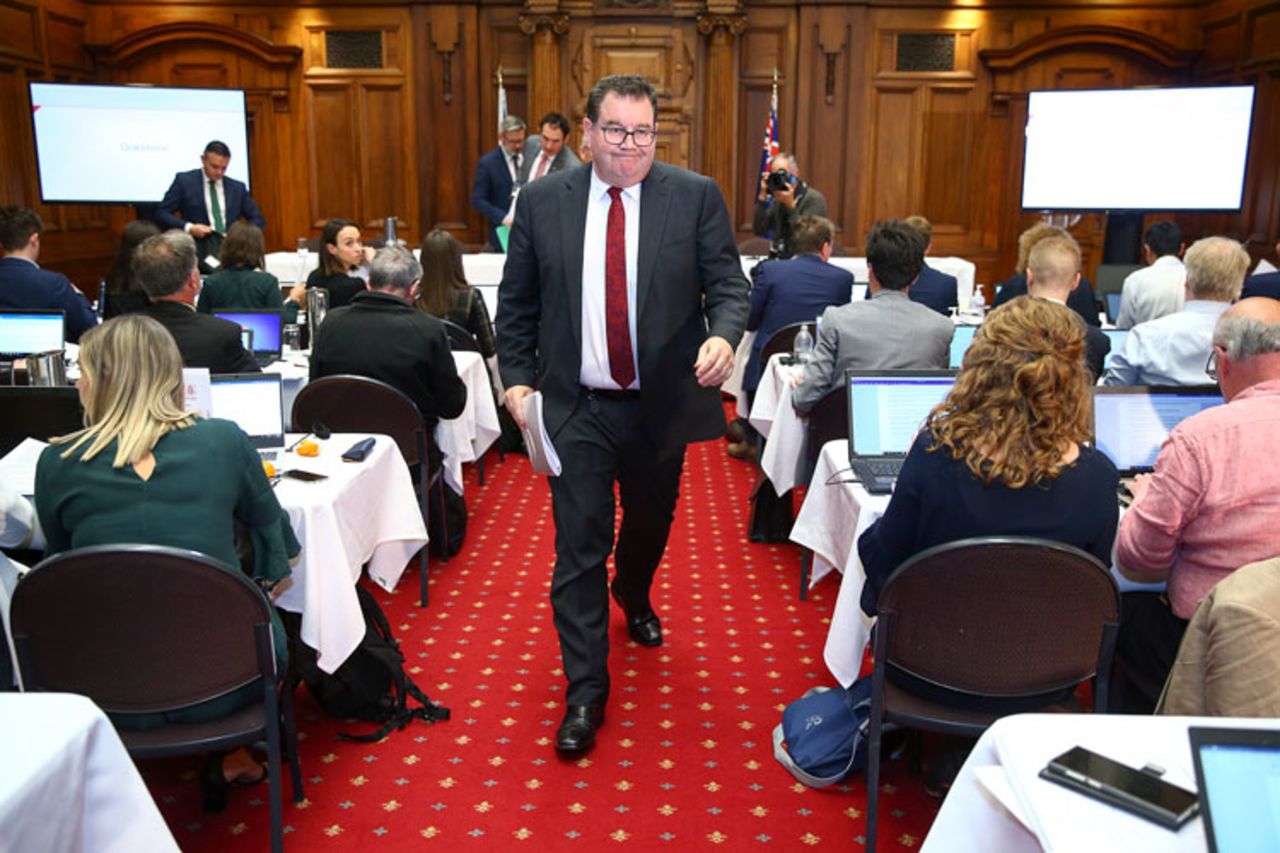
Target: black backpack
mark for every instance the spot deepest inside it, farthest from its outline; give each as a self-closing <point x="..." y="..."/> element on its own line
<point x="371" y="684"/>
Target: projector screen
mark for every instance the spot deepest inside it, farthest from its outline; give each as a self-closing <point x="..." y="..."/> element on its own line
<point x="1137" y="149"/>
<point x="123" y="144"/>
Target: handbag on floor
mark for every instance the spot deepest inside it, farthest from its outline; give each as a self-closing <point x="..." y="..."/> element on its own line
<point x="823" y="735"/>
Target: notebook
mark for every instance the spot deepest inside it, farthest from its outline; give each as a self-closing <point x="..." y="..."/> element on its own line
<point x="266" y="324"/>
<point x="1130" y="424"/>
<point x="886" y="410"/>
<point x="24" y="331"/>
<point x="254" y="401"/>
<point x="960" y="344"/>
<point x="1117" y="337"/>
<point x="1238" y="779"/>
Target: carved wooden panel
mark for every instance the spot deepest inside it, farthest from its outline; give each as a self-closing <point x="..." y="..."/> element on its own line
<point x="66" y="42"/>
<point x="1220" y="41"/>
<point x="208" y="75"/>
<point x="334" y="160"/>
<point x="894" y="155"/>
<point x="1262" y="40"/>
<point x="949" y="153"/>
<point x="19" y="31"/>
<point x="384" y="170"/>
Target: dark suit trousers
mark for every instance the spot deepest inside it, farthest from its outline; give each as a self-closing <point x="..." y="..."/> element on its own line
<point x="603" y="442"/>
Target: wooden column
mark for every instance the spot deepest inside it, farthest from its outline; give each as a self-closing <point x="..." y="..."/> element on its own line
<point x="721" y="24"/>
<point x="545" y="23"/>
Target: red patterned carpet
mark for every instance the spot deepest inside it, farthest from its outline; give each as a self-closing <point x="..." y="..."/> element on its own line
<point x="684" y="761"/>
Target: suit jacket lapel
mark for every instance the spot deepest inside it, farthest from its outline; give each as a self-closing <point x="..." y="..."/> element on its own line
<point x="573" y="226"/>
<point x="655" y="202"/>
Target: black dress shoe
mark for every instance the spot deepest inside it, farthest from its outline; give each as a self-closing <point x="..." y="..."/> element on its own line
<point x="643" y="627"/>
<point x="577" y="734"/>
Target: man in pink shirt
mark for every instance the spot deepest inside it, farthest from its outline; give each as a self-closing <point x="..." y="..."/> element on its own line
<point x="1212" y="504"/>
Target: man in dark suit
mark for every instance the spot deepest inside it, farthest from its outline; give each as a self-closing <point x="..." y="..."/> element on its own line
<point x="622" y="301"/>
<point x="546" y="153"/>
<point x="1263" y="284"/>
<point x="208" y="201"/>
<point x="797" y="290"/>
<point x="23" y="284"/>
<point x="165" y="267"/>
<point x="1082" y="300"/>
<point x="935" y="289"/>
<point x="1053" y="271"/>
<point x="382" y="336"/>
<point x="497" y="176"/>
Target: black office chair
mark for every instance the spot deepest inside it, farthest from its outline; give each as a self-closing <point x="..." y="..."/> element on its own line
<point x="828" y="420"/>
<point x="145" y="629"/>
<point x="347" y="403"/>
<point x="37" y="412"/>
<point x="1001" y="618"/>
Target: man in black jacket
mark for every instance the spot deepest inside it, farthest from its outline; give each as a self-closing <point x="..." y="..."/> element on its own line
<point x="1053" y="272"/>
<point x="782" y="200"/>
<point x="165" y="266"/>
<point x="382" y="336"/>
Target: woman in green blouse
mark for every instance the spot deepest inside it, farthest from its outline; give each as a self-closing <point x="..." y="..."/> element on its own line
<point x="240" y="282"/>
<point x="145" y="470"/>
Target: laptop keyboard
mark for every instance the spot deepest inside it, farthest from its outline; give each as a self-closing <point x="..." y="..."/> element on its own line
<point x="884" y="467"/>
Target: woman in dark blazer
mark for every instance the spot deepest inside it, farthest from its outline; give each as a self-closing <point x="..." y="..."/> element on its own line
<point x="445" y="294"/>
<point x="142" y="457"/>
<point x="342" y="257"/>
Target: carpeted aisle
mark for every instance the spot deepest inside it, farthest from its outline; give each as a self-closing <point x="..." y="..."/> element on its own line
<point x="684" y="760"/>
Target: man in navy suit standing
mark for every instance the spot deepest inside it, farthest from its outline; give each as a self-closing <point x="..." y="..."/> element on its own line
<point x="24" y="285"/>
<point x="498" y="177"/>
<point x="208" y="201"/>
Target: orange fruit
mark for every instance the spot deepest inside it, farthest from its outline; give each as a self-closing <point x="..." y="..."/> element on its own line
<point x="308" y="448"/>
<point x="268" y="468"/>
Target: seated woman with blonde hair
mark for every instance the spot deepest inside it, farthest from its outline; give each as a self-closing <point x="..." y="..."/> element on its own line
<point x="145" y="470"/>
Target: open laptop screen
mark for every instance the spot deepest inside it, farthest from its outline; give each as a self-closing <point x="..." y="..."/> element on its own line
<point x="887" y="408"/>
<point x="1131" y="424"/>
<point x="1117" y="337"/>
<point x="254" y="402"/>
<point x="265" y="324"/>
<point x="1113" y="306"/>
<point x="25" y="332"/>
<point x="1238" y="776"/>
<point x="960" y="342"/>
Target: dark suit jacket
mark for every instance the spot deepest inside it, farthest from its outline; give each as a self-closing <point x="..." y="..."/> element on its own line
<point x="25" y="285"/>
<point x="491" y="192"/>
<point x="1081" y="300"/>
<point x="382" y="337"/>
<point x="935" y="289"/>
<point x="204" y="340"/>
<point x="1097" y="345"/>
<point x="566" y="159"/>
<point x="186" y="195"/>
<point x="792" y="291"/>
<point x="1267" y="284"/>
<point x="689" y="285"/>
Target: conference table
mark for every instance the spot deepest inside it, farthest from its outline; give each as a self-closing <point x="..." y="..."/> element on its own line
<point x="461" y="440"/>
<point x="66" y="782"/>
<point x="999" y="802"/>
<point x="837" y="509"/>
<point x="775" y="418"/>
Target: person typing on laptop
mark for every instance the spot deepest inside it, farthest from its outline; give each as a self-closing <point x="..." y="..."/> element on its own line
<point x="1211" y="504"/>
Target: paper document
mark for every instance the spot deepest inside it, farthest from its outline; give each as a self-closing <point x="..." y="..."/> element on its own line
<point x="18" y="467"/>
<point x="542" y="454"/>
<point x="197" y="393"/>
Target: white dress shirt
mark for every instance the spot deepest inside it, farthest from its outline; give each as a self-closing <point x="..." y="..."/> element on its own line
<point x="208" y="208"/>
<point x="537" y="164"/>
<point x="595" y="343"/>
<point x="1152" y="292"/>
<point x="1172" y="350"/>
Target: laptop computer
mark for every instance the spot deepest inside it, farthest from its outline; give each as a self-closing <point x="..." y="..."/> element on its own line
<point x="886" y="410"/>
<point x="1113" y="306"/>
<point x="960" y="344"/>
<point x="1117" y="337"/>
<point x="254" y="401"/>
<point x="1238" y="779"/>
<point x="266" y="324"/>
<point x="27" y="331"/>
<point x="1130" y="424"/>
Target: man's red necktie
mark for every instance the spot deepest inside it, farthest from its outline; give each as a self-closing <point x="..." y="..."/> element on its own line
<point x="617" y="325"/>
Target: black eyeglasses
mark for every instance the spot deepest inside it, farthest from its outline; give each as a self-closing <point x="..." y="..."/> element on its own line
<point x="643" y="137"/>
<point x="1211" y="366"/>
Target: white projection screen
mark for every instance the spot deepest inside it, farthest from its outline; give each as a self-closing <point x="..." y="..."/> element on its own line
<point x="123" y="144"/>
<point x="1137" y="149"/>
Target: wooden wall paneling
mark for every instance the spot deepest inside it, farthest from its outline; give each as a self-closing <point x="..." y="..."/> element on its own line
<point x="333" y="149"/>
<point x="827" y="73"/>
<point x="445" y="94"/>
<point x="894" y="159"/>
<point x="386" y="169"/>
<point x="767" y="43"/>
<point x="20" y="36"/>
<point x="718" y="130"/>
<point x="502" y="43"/>
<point x="546" y="25"/>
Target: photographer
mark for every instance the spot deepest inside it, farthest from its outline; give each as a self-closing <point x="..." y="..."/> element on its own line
<point x="791" y="199"/>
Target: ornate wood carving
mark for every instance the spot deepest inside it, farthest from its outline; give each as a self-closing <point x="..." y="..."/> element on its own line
<point x="1094" y="37"/>
<point x="711" y="24"/>
<point x="557" y="23"/>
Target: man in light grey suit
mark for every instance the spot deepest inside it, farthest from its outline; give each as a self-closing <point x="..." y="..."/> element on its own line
<point x="887" y="331"/>
<point x="547" y="152"/>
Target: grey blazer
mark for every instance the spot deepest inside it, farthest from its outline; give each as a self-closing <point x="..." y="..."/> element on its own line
<point x="566" y="159"/>
<point x="886" y="332"/>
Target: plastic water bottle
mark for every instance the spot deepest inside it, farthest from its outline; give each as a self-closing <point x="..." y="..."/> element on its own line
<point x="802" y="348"/>
<point x="978" y="302"/>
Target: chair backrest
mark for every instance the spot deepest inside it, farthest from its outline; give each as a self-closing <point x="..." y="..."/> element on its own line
<point x="1110" y="277"/>
<point x="1000" y="616"/>
<point x="140" y="628"/>
<point x="754" y="246"/>
<point x="460" y="340"/>
<point x="828" y="420"/>
<point x="782" y="340"/>
<point x="37" y="412"/>
<point x="347" y="403"/>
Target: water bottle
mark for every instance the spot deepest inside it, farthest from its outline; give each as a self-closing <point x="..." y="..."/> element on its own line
<point x="978" y="302"/>
<point x="302" y="260"/>
<point x="802" y="348"/>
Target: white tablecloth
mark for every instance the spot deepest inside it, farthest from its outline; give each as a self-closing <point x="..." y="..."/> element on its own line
<point x="964" y="271"/>
<point x="67" y="783"/>
<point x="775" y="418"/>
<point x="462" y="439"/>
<point x="290" y="267"/>
<point x="365" y="512"/>
<point x="998" y="801"/>
<point x="733" y="385"/>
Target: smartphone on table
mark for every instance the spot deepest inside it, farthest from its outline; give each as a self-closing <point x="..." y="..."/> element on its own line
<point x="1124" y="787"/>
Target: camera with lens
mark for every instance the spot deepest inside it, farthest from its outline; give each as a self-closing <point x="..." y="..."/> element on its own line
<point x="779" y="181"/>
